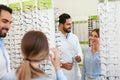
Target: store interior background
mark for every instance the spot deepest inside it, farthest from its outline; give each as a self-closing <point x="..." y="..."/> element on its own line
<point x="80" y="11"/>
<point x="84" y="14"/>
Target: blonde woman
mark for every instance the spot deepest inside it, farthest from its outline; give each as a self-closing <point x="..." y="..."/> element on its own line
<point x="35" y="48"/>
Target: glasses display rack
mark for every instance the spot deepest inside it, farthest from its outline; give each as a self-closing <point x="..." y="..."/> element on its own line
<point x="109" y="18"/>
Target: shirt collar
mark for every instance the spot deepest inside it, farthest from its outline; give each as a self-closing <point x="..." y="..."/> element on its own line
<point x="1" y="41"/>
<point x="68" y="34"/>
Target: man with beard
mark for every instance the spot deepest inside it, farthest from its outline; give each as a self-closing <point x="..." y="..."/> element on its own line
<point x="5" y="21"/>
<point x="71" y="52"/>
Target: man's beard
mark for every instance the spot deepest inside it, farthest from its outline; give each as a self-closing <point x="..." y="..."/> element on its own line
<point x="3" y="34"/>
<point x="67" y="30"/>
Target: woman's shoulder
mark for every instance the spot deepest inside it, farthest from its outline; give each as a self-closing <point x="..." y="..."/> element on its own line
<point x="87" y="49"/>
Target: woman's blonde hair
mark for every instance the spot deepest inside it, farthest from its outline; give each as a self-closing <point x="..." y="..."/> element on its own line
<point x="34" y="46"/>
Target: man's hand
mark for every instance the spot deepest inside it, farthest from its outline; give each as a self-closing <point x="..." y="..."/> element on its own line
<point x="67" y="65"/>
<point x="77" y="58"/>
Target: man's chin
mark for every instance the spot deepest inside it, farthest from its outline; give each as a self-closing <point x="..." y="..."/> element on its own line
<point x="68" y="31"/>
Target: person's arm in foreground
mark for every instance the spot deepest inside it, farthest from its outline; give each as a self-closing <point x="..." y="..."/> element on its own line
<point x="56" y="62"/>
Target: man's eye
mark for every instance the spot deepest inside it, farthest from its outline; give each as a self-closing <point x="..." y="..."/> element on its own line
<point x="5" y="21"/>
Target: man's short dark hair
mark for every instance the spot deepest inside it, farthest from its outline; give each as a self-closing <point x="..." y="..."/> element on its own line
<point x="3" y="7"/>
<point x="63" y="17"/>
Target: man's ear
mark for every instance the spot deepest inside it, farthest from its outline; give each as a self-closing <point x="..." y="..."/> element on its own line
<point x="60" y="25"/>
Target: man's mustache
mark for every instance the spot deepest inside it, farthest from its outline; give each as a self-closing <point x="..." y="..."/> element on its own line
<point x="5" y="29"/>
<point x="69" y="28"/>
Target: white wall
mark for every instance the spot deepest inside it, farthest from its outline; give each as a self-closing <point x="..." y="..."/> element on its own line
<point x="78" y="9"/>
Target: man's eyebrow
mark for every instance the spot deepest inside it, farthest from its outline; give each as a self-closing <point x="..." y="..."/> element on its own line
<point x="7" y="20"/>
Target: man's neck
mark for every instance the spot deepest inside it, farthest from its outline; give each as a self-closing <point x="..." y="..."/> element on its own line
<point x="64" y="33"/>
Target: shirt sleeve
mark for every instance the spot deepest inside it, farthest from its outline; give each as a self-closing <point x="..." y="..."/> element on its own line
<point x="60" y="75"/>
<point x="83" y="69"/>
<point x="79" y="49"/>
<point x="84" y="65"/>
<point x="11" y="75"/>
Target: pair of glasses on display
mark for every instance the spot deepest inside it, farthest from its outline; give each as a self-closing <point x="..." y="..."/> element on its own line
<point x="58" y="41"/>
<point x="109" y="55"/>
<point x="110" y="66"/>
<point x="42" y="5"/>
<point x="26" y="15"/>
<point x="109" y="70"/>
<point x="29" y="8"/>
<point x="44" y="19"/>
<point x="27" y="18"/>
<point x="113" y="78"/>
<point x="15" y="18"/>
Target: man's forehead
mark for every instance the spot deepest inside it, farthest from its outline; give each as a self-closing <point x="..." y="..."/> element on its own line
<point x="6" y="15"/>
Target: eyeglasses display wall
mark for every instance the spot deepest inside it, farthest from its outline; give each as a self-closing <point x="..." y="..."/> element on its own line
<point x="109" y="18"/>
<point x="30" y="15"/>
